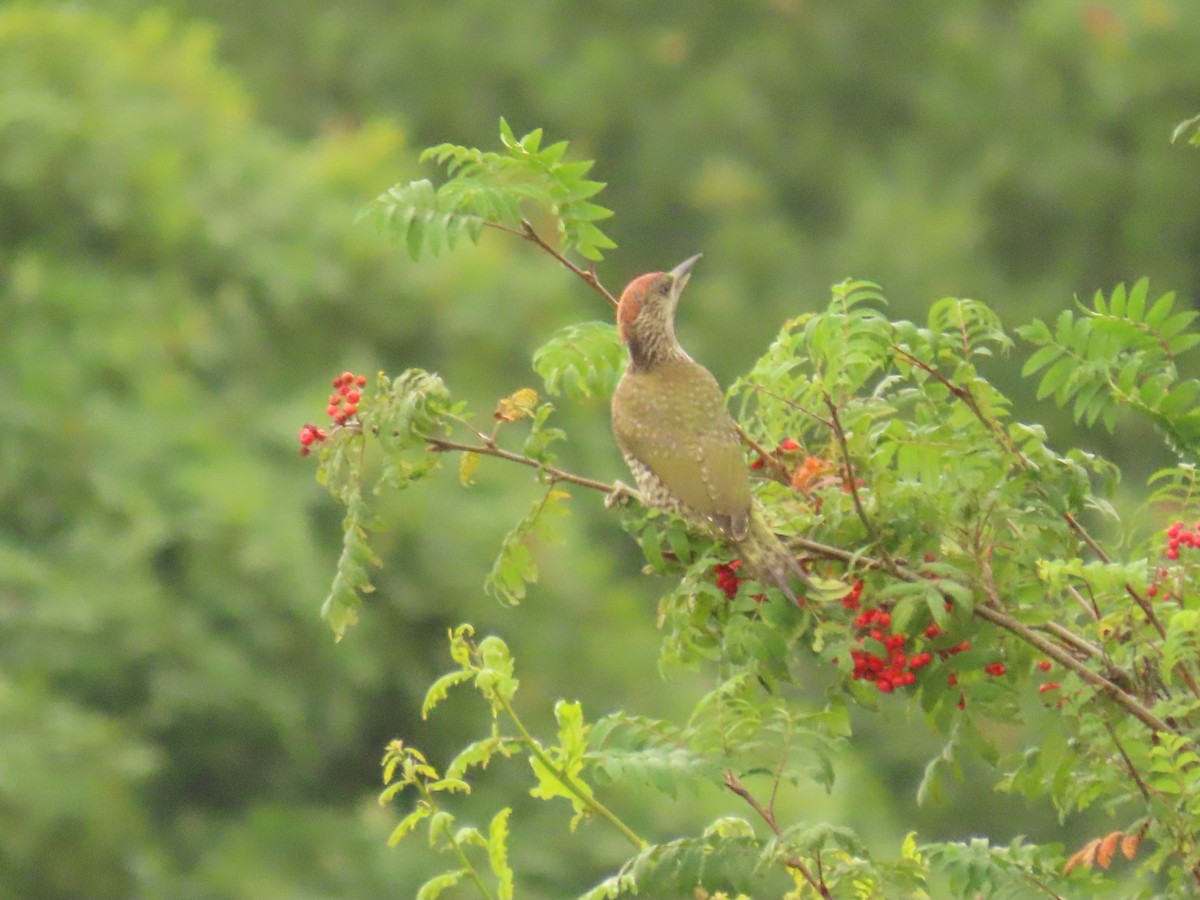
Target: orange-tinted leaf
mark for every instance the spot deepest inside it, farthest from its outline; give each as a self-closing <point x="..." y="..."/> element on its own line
<point x="1108" y="846"/>
<point x="1130" y="844"/>
<point x="1085" y="856"/>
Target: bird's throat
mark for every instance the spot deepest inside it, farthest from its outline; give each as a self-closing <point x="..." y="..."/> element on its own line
<point x="648" y="351"/>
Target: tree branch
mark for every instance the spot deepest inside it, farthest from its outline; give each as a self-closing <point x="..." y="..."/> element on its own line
<point x="792" y="862"/>
<point x="840" y="435"/>
<point x="440" y="445"/>
<point x="968" y="399"/>
<point x="529" y="233"/>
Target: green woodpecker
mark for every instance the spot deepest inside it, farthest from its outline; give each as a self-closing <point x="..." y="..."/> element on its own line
<point x="670" y="421"/>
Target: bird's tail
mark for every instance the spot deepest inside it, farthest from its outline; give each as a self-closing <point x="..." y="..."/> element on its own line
<point x="768" y="561"/>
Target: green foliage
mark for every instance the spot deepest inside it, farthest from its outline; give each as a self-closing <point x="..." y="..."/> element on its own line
<point x="176" y="276"/>
<point x="977" y="868"/>
<point x="581" y="361"/>
<point x="1121" y="353"/>
<point x="488" y="188"/>
<point x="957" y="533"/>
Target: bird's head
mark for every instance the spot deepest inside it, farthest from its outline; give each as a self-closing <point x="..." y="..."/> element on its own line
<point x="646" y="312"/>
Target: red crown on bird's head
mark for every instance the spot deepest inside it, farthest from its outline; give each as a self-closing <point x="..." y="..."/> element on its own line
<point x="632" y="298"/>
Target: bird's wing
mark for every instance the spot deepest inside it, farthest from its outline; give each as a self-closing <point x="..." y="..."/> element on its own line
<point x="686" y="438"/>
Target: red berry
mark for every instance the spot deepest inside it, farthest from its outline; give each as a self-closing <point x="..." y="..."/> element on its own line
<point x="995" y="669"/>
<point x="758" y="463"/>
<point x="953" y="679"/>
<point x="332" y="410"/>
<point x="933" y="631"/>
<point x="349" y="409"/>
<point x="346" y="378"/>
<point x="788" y="445"/>
<point x="1048" y="686"/>
<point x="307" y="435"/>
<point x="304" y="451"/>
<point x="1044" y="665"/>
<point x="360" y="380"/>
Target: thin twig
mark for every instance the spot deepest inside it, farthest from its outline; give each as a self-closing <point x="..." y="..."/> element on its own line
<point x="1143" y="602"/>
<point x="792" y="403"/>
<point x="968" y="399"/>
<point x="840" y="435"/>
<point x="1083" y="535"/>
<point x="1133" y="772"/>
<point x="770" y="459"/>
<point x="1069" y="637"/>
<point x="767" y="815"/>
<point x="440" y="445"/>
<point x="1090" y="608"/>
<point x="1061" y="656"/>
<point x="529" y="233"/>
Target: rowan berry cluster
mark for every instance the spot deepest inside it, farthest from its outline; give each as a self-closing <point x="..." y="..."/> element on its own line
<point x="881" y="656"/>
<point x="787" y="445"/>
<point x="309" y="435"/>
<point x="343" y="402"/>
<point x="727" y="577"/>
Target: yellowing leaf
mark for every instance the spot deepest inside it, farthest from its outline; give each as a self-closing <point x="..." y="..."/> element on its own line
<point x="467" y="465"/>
<point x="517" y="406"/>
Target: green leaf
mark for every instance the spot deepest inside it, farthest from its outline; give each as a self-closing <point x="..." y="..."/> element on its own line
<point x="409" y="822"/>
<point x="515" y="567"/>
<point x="582" y="361"/>
<point x="438" y="690"/>
<point x="434" y="887"/>
<point x="497" y="848"/>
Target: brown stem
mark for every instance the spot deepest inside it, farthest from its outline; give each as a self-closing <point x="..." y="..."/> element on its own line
<point x="529" y="233"/>
<point x="1133" y="772"/>
<point x="968" y="399"/>
<point x="770" y="459"/>
<point x="1083" y="535"/>
<point x="1143" y="602"/>
<point x="792" y="862"/>
<point x="792" y="403"/>
<point x="1069" y="637"/>
<point x="440" y="445"/>
<point x="840" y="435"/>
<point x="1088" y="607"/>
<point x="1131" y="705"/>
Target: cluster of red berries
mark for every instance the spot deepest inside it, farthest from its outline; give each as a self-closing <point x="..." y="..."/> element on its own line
<point x="787" y="445"/>
<point x="890" y="666"/>
<point x="343" y="402"/>
<point x="1179" y="535"/>
<point x="309" y="435"/>
<point x="729" y="581"/>
<point x="727" y="577"/>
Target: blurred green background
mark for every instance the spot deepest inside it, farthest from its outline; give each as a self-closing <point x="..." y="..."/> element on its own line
<point x="181" y="276"/>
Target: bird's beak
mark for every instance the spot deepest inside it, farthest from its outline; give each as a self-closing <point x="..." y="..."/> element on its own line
<point x="683" y="271"/>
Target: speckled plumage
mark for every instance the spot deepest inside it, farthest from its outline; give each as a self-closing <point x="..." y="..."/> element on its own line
<point x="670" y="421"/>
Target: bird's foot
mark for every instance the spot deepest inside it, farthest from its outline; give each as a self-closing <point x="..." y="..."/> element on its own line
<point x="621" y="495"/>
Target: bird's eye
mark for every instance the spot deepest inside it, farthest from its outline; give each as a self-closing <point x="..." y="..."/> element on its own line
<point x="663" y="288"/>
